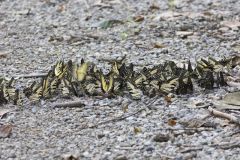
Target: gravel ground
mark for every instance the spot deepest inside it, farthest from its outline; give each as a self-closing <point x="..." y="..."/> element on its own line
<point x="34" y="34"/>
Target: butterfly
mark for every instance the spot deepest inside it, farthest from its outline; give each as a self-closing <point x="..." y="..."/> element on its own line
<point x="60" y="69"/>
<point x="138" y="79"/>
<point x="168" y="86"/>
<point x="53" y="85"/>
<point x="207" y="80"/>
<point x="82" y="71"/>
<point x="7" y="91"/>
<point x="185" y="85"/>
<point x="18" y="100"/>
<point x="91" y="88"/>
<point x="65" y="87"/>
<point x="37" y="91"/>
<point x="7" y="94"/>
<point x="135" y="92"/>
<point x="107" y="85"/>
<point x="217" y="67"/>
<point x="77" y="73"/>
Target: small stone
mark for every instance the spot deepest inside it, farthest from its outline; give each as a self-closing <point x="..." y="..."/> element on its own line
<point x="99" y="136"/>
<point x="70" y="156"/>
<point x="184" y="34"/>
<point x="223" y="29"/>
<point x="150" y="149"/>
<point x="86" y="154"/>
<point x="12" y="155"/>
<point x="161" y="138"/>
<point x="121" y="158"/>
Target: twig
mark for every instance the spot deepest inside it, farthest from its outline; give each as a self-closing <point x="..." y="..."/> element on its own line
<point x="236" y="132"/>
<point x="224" y="115"/>
<point x="33" y="75"/>
<point x="187" y="129"/>
<point x="227" y="145"/>
<point x="128" y="148"/>
<point x="122" y="117"/>
<point x="71" y="104"/>
<point x="186" y="150"/>
<point x="117" y="119"/>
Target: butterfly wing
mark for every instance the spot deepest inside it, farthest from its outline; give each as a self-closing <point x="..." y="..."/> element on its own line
<point x="82" y="71"/>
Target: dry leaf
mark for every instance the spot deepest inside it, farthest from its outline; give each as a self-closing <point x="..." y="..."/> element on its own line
<point x="137" y="130"/>
<point x="168" y="99"/>
<point x="172" y="122"/>
<point x="3" y="53"/>
<point x="232" y="98"/>
<point x="220" y="105"/>
<point x="193" y="123"/>
<point x="5" y="130"/>
<point x="158" y="45"/>
<point x="61" y="8"/>
<point x="138" y="18"/>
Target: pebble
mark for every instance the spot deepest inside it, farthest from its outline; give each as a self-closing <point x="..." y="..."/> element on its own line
<point x="42" y="132"/>
<point x="161" y="138"/>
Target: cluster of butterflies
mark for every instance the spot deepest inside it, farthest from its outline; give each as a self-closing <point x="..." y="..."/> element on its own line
<point x="69" y="78"/>
<point x="8" y="92"/>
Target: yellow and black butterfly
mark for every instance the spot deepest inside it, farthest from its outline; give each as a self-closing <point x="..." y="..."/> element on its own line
<point x="78" y="73"/>
<point x="53" y="85"/>
<point x="2" y="98"/>
<point x="207" y="80"/>
<point x="139" y="79"/>
<point x="82" y="71"/>
<point x="65" y="87"/>
<point x="185" y="85"/>
<point x="36" y="94"/>
<point x="126" y="72"/>
<point x="220" y="80"/>
<point x="107" y="85"/>
<point x="60" y="69"/>
<point x="7" y="90"/>
<point x="18" y="99"/>
<point x="45" y="87"/>
<point x="168" y="86"/>
<point x="37" y="91"/>
<point x="7" y="93"/>
<point x="203" y="66"/>
<point x="135" y="92"/>
<point x="28" y="91"/>
<point x="217" y="67"/>
<point x="92" y="87"/>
